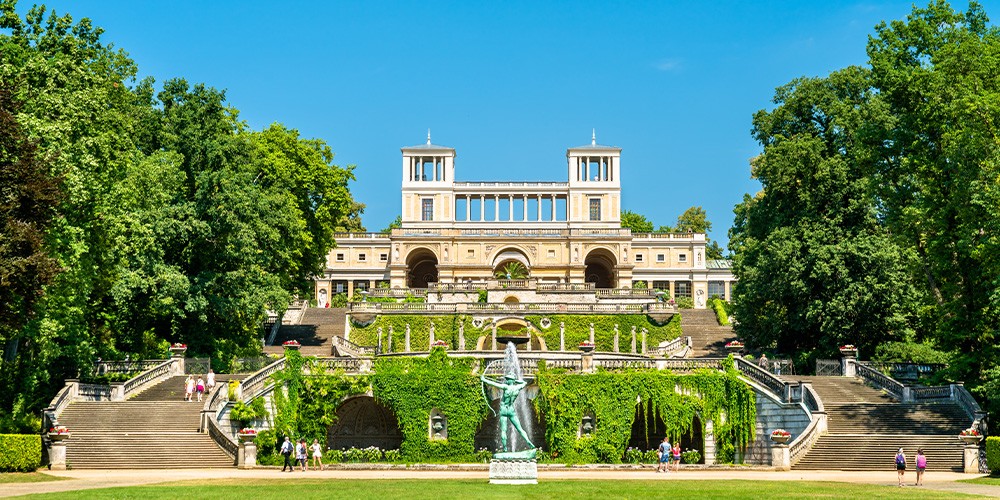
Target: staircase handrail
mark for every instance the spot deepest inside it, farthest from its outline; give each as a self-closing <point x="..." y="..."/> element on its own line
<point x="50" y="415"/>
<point x="780" y="388"/>
<point x="811" y="400"/>
<point x="351" y="347"/>
<point x="102" y="367"/>
<point x="273" y="334"/>
<point x="222" y="438"/>
<point x="881" y="381"/>
<point x="690" y="364"/>
<point x="805" y="441"/>
<point x="93" y="392"/>
<point x="149" y="377"/>
<point x="257" y="381"/>
<point x="348" y="364"/>
<point x="669" y="348"/>
<point x="964" y="399"/>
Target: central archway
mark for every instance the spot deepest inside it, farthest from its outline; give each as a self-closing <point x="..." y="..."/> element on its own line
<point x="600" y="268"/>
<point x="421" y="268"/>
<point x="511" y="257"/>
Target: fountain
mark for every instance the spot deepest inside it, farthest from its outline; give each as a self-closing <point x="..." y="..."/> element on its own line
<point x="509" y="466"/>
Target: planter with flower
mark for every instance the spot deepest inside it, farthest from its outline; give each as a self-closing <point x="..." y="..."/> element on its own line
<point x="781" y="436"/>
<point x="587" y="346"/>
<point x="849" y="350"/>
<point x="734" y="346"/>
<point x="178" y="349"/>
<point x="440" y="343"/>
<point x="970" y="436"/>
<point x="293" y="345"/>
<point x="58" y="433"/>
<point x="247" y="434"/>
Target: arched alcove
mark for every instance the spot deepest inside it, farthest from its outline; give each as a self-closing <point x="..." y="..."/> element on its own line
<point x="362" y="422"/>
<point x="648" y="431"/>
<point x="600" y="269"/>
<point x="421" y="268"/>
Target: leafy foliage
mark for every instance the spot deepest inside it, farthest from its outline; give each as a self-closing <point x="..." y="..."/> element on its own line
<point x="909" y="352"/>
<point x="611" y="396"/>
<point x="513" y="270"/>
<point x="993" y="452"/>
<point x="414" y="386"/>
<point x="638" y="223"/>
<point x="20" y="452"/>
<point x="721" y="308"/>
<point x="577" y="329"/>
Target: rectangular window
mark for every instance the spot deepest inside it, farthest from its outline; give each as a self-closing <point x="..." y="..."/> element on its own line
<point x="595" y="209"/>
<point x="362" y="257"/>
<point x="717" y="289"/>
<point x="682" y="257"/>
<point x="471" y="254"/>
<point x="552" y="254"/>
<point x="661" y="258"/>
<point x="682" y="289"/>
<point x="383" y="257"/>
<point x="427" y="209"/>
<point x="340" y="257"/>
<point x="638" y="257"/>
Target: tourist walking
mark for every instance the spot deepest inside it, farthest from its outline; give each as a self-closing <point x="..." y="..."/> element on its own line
<point x="317" y="454"/>
<point x="663" y="453"/>
<point x="188" y="388"/>
<point x="286" y="451"/>
<point x="762" y="362"/>
<point x="210" y="380"/>
<point x="200" y="387"/>
<point x="900" y="465"/>
<point x="300" y="454"/>
<point x="676" y="452"/>
<point x="921" y="461"/>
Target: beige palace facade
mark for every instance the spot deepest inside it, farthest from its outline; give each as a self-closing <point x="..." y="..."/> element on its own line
<point x="562" y="232"/>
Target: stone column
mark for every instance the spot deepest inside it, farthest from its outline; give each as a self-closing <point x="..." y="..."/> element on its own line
<point x="430" y="342"/>
<point x="482" y="207"/>
<point x="587" y="362"/>
<point x="493" y="343"/>
<point x="709" y="442"/>
<point x="848" y="366"/>
<point x="562" y="336"/>
<point x="525" y="207"/>
<point x="539" y="207"/>
<point x="468" y="208"/>
<point x="389" y="340"/>
<point x="781" y="459"/>
<point x="379" y="345"/>
<point x="527" y="347"/>
<point x="644" y="332"/>
<point x="970" y="459"/>
<point x="616" y="338"/>
<point x="553" y="206"/>
<point x="496" y="208"/>
<point x="406" y="338"/>
<point x="591" y="333"/>
<point x="246" y="458"/>
<point x="510" y="207"/>
<point x="57" y="455"/>
<point x="633" y="339"/>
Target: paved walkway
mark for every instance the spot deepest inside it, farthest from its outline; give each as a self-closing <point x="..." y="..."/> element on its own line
<point x="89" y="479"/>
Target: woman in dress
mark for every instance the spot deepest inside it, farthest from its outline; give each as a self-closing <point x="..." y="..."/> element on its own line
<point x="210" y="380"/>
<point x="188" y="388"/>
<point x="676" y="451"/>
<point x="200" y="388"/>
<point x="317" y="451"/>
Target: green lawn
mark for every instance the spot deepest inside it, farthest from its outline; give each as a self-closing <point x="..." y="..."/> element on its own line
<point x="302" y="489"/>
<point x="27" y="477"/>
<point x="990" y="480"/>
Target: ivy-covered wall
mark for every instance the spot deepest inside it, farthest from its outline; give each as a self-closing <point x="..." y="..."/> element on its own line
<point x="611" y="397"/>
<point x="577" y="330"/>
<point x="412" y="387"/>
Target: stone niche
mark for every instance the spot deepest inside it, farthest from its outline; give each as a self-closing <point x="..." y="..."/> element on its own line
<point x="588" y="424"/>
<point x="437" y="426"/>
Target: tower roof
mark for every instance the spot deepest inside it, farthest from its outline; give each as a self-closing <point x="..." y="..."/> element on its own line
<point x="428" y="146"/>
<point x="594" y="146"/>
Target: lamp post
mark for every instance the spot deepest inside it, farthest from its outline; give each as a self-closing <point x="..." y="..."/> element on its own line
<point x="364" y="295"/>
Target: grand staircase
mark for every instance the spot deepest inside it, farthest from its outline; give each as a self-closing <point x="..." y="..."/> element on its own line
<point x="866" y="427"/>
<point x="315" y="331"/>
<point x="708" y="338"/>
<point x="154" y="429"/>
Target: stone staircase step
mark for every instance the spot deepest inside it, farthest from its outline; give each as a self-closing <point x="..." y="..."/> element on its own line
<point x="315" y="332"/>
<point x="708" y="338"/>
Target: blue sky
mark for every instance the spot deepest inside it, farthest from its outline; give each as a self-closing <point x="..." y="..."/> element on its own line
<point x="510" y="85"/>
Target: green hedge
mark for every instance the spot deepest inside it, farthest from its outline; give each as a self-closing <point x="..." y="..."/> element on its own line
<point x="993" y="454"/>
<point x="20" y="452"/>
<point x="578" y="330"/>
<point x="721" y="309"/>
<point x="445" y="328"/>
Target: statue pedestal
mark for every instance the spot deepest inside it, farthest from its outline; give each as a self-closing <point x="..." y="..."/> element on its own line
<point x="513" y="471"/>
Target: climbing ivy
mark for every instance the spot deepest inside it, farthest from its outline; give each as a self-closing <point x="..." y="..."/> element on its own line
<point x="414" y="386"/>
<point x="611" y="397"/>
<point x="577" y="328"/>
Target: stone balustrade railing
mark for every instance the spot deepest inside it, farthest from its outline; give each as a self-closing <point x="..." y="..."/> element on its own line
<point x="93" y="392"/>
<point x="512" y="232"/>
<point x="676" y="345"/>
<point x="148" y="378"/>
<point x="352" y="366"/>
<point x="474" y="286"/>
<point x="881" y="381"/>
<point x="398" y="293"/>
<point x="566" y="287"/>
<point x="690" y="364"/>
<point x="626" y="292"/>
<point x="258" y="381"/>
<point x="360" y="236"/>
<point x="788" y="392"/>
<point x="531" y="308"/>
<point x="106" y="367"/>
<point x="345" y="347"/>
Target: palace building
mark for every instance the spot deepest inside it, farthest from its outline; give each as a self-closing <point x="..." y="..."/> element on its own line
<point x="563" y="233"/>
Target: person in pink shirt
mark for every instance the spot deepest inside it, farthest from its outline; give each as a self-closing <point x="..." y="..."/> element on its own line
<point x="921" y="465"/>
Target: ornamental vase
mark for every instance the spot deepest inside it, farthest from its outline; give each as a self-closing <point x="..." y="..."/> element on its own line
<point x="780" y="439"/>
<point x="178" y="351"/>
<point x="58" y="437"/>
<point x="970" y="439"/>
<point x="734" y="348"/>
<point x="587" y="348"/>
<point x="292" y="347"/>
<point x="849" y="352"/>
<point x="246" y="438"/>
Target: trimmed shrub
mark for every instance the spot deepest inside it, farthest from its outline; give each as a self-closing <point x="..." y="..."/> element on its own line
<point x="685" y="303"/>
<point x="993" y="454"/>
<point x="20" y="452"/>
<point x="721" y="309"/>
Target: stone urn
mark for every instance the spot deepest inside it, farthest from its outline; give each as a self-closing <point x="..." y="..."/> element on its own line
<point x="56" y="436"/>
<point x="247" y="437"/>
<point x="849" y="351"/>
<point x="587" y="347"/>
<point x="291" y="345"/>
<point x="780" y="439"/>
<point x="734" y="347"/>
<point x="178" y="350"/>
<point x="970" y="439"/>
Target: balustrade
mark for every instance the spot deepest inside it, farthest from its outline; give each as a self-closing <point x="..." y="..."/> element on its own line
<point x="255" y="383"/>
<point x="148" y="377"/>
<point x="881" y="381"/>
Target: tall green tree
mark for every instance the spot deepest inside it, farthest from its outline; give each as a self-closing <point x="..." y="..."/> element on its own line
<point x="815" y="267"/>
<point x="638" y="223"/>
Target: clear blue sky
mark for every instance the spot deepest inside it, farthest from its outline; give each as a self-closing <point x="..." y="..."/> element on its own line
<point x="510" y="85"/>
